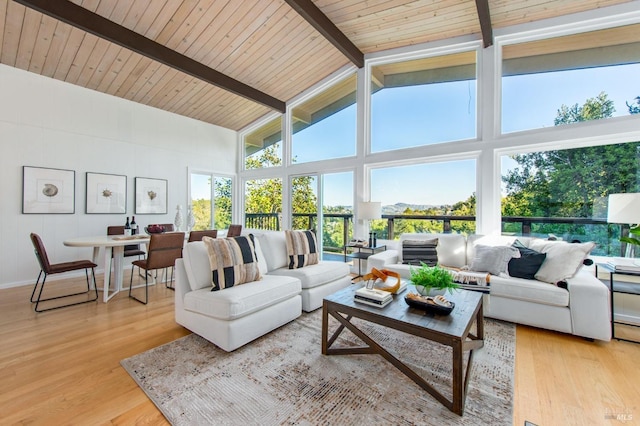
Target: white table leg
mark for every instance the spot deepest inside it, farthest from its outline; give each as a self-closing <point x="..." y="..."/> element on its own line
<point x="118" y="263"/>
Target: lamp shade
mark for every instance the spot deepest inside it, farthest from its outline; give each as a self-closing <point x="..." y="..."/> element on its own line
<point x="624" y="208"/>
<point x="370" y="210"/>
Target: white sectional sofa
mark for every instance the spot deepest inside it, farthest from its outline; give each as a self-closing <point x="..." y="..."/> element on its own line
<point x="237" y="315"/>
<point x="582" y="308"/>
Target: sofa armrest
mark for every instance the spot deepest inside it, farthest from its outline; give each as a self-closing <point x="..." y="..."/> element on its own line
<point x="590" y="306"/>
<point x="380" y="260"/>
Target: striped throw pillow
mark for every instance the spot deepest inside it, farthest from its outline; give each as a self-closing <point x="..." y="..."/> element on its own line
<point x="416" y="251"/>
<point x="233" y="261"/>
<point x="302" y="248"/>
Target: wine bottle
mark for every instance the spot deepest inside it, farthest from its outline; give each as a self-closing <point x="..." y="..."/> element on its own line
<point x="127" y="227"/>
<point x="134" y="226"/>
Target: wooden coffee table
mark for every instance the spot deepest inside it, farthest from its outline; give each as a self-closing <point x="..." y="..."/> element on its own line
<point x="453" y="330"/>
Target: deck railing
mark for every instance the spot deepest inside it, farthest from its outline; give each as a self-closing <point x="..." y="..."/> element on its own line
<point x="390" y="226"/>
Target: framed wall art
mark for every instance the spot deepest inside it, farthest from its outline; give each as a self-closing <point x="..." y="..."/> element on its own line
<point x="106" y="193"/>
<point x="47" y="190"/>
<point x="151" y="196"/>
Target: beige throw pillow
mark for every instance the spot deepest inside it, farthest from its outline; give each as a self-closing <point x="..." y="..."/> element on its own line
<point x="563" y="259"/>
<point x="302" y="248"/>
<point x="233" y="261"/>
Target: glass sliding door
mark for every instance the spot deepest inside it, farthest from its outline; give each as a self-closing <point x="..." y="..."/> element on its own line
<point x="337" y="213"/>
<point x="210" y="200"/>
<point x="304" y="202"/>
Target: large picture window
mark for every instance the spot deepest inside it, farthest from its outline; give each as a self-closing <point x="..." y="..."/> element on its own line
<point x="546" y="82"/>
<point x="324" y="127"/>
<point x="413" y="195"/>
<point x="263" y="146"/>
<point x="423" y="102"/>
<point x="263" y="204"/>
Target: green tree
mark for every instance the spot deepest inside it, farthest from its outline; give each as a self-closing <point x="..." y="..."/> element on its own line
<point x="567" y="183"/>
<point x="222" y="203"/>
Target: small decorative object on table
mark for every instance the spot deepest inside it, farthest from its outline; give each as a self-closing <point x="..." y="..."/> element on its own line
<point x="432" y="280"/>
<point x="377" y="298"/>
<point x="438" y="305"/>
<point x="154" y="229"/>
<point x="178" y="219"/>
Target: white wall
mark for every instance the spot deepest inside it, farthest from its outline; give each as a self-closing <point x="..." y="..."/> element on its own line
<point x="48" y="123"/>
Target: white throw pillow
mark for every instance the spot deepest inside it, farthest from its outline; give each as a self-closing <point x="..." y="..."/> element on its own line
<point x="563" y="259"/>
<point x="492" y="259"/>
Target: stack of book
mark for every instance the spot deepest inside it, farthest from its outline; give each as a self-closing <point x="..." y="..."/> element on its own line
<point x="624" y="264"/>
<point x="378" y="298"/>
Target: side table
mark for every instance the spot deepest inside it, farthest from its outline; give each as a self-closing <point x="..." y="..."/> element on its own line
<point x="622" y="288"/>
<point x="360" y="253"/>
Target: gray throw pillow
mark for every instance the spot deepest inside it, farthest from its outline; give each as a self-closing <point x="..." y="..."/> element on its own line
<point x="416" y="251"/>
<point x="492" y="259"/>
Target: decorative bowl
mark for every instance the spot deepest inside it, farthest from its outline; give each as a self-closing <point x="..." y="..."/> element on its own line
<point x="154" y="229"/>
<point x="427" y="303"/>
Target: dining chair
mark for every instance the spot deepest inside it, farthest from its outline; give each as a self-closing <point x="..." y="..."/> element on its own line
<point x="234" y="230"/>
<point x="197" y="235"/>
<point x="130" y="249"/>
<point x="47" y="269"/>
<point x="164" y="249"/>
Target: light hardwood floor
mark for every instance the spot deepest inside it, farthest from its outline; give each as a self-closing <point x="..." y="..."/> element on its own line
<point x="63" y="366"/>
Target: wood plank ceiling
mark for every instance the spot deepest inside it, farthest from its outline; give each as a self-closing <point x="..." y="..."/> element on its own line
<point x="264" y="44"/>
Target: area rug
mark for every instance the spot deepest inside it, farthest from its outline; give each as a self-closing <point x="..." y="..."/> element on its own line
<point x="283" y="378"/>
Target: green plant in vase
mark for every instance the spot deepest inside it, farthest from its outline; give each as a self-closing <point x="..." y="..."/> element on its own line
<point x="432" y="280"/>
<point x="633" y="240"/>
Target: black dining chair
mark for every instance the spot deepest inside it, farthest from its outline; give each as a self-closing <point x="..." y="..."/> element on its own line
<point x="197" y="235"/>
<point x="47" y="268"/>
<point x="164" y="249"/>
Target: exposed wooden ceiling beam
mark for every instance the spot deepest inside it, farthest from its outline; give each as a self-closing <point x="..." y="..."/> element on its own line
<point x="324" y="26"/>
<point x="97" y="25"/>
<point x="485" y="22"/>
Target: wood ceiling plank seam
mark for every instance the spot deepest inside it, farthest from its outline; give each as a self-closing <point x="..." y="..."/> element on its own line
<point x="28" y="38"/>
<point x="116" y="68"/>
<point x="121" y="11"/>
<point x="269" y="45"/>
<point x="176" y="41"/>
<point x="459" y="19"/>
<point x="81" y="57"/>
<point x="346" y="12"/>
<point x="148" y="13"/>
<point x="386" y="45"/>
<point x="104" y="66"/>
<point x="69" y="53"/>
<point x="61" y="36"/>
<point x="156" y="82"/>
<point x="227" y="102"/>
<point x="234" y="39"/>
<point x="141" y="80"/>
<point x="4" y="15"/>
<point x="44" y="40"/>
<point x="91" y="5"/>
<point x="201" y="95"/>
<point x="159" y="22"/>
<point x="190" y="88"/>
<point x="279" y="19"/>
<point x="245" y="114"/>
<point x="423" y="14"/>
<point x="316" y="51"/>
<point x="125" y="79"/>
<point x="299" y="80"/>
<point x="12" y="32"/>
<point x="176" y="21"/>
<point x="152" y="75"/>
<point x="198" y="32"/>
<point x="210" y="42"/>
<point x="93" y="61"/>
<point x="168" y="91"/>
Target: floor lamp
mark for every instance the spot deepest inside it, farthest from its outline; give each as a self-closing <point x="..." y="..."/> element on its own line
<point x="625" y="209"/>
<point x="370" y="210"/>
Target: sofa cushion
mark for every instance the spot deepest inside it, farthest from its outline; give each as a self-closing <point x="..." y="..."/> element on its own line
<point x="315" y="275"/>
<point x="302" y="248"/>
<point x="529" y="290"/>
<point x="242" y="300"/>
<point x="232" y="261"/>
<point x="563" y="259"/>
<point x="274" y="248"/>
<point x="415" y="252"/>
<point x="492" y="259"/>
<point x="451" y="247"/>
<point x="528" y="264"/>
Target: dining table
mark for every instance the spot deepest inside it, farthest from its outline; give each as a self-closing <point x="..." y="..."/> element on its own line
<point x="113" y="246"/>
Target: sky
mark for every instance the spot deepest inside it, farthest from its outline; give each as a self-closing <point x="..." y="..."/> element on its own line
<point x="428" y="114"/>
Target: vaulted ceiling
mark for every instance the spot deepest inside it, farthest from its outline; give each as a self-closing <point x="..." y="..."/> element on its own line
<point x="229" y="62"/>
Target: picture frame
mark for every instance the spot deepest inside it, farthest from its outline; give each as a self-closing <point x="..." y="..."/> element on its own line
<point x="48" y="191"/>
<point x="106" y="193"/>
<point x="151" y="195"/>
